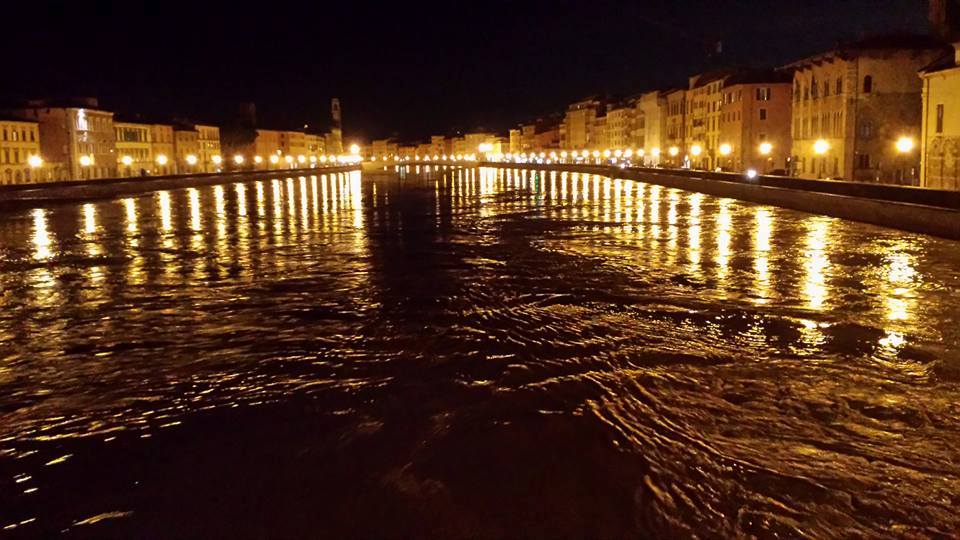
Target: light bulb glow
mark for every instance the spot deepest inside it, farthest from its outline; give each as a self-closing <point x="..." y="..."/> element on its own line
<point x="821" y="147"/>
<point x="161" y="160"/>
<point x="905" y="144"/>
<point x="765" y="149"/>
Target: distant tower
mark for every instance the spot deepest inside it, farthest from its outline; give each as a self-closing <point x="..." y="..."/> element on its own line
<point x="945" y="19"/>
<point x="335" y="113"/>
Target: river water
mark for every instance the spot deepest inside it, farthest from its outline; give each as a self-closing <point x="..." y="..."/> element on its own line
<point x="473" y="353"/>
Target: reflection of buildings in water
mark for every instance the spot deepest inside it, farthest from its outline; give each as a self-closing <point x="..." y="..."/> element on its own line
<point x="816" y="262"/>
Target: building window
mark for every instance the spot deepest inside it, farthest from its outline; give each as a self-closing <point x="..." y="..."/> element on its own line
<point x="815" y="88"/>
<point x="763" y="114"/>
<point x="826" y="88"/>
<point x="763" y="94"/>
<point x="940" y="118"/>
<point x="866" y="129"/>
<point x="839" y="86"/>
<point x="863" y="161"/>
<point x="868" y="84"/>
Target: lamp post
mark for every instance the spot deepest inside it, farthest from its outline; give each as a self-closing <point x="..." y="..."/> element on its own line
<point x="85" y="163"/>
<point x="905" y="146"/>
<point x="765" y="150"/>
<point x="820" y="148"/>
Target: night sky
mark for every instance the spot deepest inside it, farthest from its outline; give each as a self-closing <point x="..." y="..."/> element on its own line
<point x="407" y="68"/>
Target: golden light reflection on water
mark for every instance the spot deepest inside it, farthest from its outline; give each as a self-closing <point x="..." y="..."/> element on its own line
<point x="694" y="232"/>
<point x="41" y="237"/>
<point x="762" y="232"/>
<point x="166" y="217"/>
<point x="816" y="262"/>
<point x="89" y="218"/>
<point x="196" y="220"/>
<point x="724" y="225"/>
<point x="901" y="281"/>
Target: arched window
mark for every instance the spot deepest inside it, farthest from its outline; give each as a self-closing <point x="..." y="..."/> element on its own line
<point x="18" y="177"/>
<point x="8" y="175"/>
<point x="868" y="84"/>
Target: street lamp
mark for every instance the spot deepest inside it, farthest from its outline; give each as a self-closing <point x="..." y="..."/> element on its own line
<point x="257" y="159"/>
<point x="765" y="148"/>
<point x="274" y="159"/>
<point x="35" y="161"/>
<point x="821" y="147"/>
<point x="191" y="159"/>
<point x="696" y="150"/>
<point x="238" y="159"/>
<point x="161" y="160"/>
<point x="674" y="151"/>
<point x="355" y="149"/>
<point x="217" y="160"/>
<point x="126" y="160"/>
<point x="725" y="149"/>
<point x="905" y="145"/>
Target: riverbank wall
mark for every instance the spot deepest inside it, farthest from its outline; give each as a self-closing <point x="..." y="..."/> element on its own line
<point x="35" y="195"/>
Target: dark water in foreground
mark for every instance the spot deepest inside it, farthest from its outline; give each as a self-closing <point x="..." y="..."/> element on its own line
<point x="473" y="353"/>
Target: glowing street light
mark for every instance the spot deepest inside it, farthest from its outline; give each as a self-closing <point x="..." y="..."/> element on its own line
<point x="301" y="159"/>
<point x="726" y="149"/>
<point x="618" y="153"/>
<point x="257" y="159"/>
<point x="217" y="159"/>
<point x="238" y="159"/>
<point x="35" y="161"/>
<point x="355" y="149"/>
<point x="765" y="148"/>
<point x="191" y="159"/>
<point x="655" y="152"/>
<point x="484" y="148"/>
<point x="288" y="159"/>
<point x="905" y="145"/>
<point x="86" y="161"/>
<point x="274" y="159"/>
<point x="696" y="150"/>
<point x="161" y="160"/>
<point x="126" y="160"/>
<point x="674" y="151"/>
<point x="821" y="147"/>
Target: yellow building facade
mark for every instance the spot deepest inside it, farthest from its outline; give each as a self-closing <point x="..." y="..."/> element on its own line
<point x="163" y="148"/>
<point x="20" y="159"/>
<point x="80" y="136"/>
<point x="852" y="105"/>
<point x="940" y="142"/>
<point x="134" y="156"/>
<point x="580" y="120"/>
<point x="187" y="147"/>
<point x="209" y="155"/>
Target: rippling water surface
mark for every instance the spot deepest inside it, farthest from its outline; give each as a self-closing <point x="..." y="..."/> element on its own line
<point x="473" y="353"/>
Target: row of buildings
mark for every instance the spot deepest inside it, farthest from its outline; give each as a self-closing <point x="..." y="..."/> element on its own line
<point x="884" y="109"/>
<point x="77" y="140"/>
<point x="438" y="145"/>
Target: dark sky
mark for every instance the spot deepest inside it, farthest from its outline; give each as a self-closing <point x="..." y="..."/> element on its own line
<point x="405" y="68"/>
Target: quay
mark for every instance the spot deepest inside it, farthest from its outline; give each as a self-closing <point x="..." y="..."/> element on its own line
<point x="35" y="195"/>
